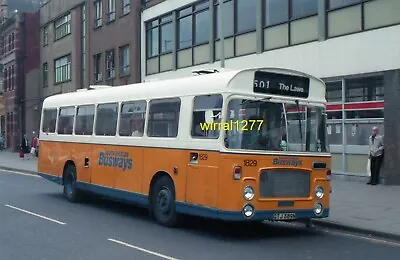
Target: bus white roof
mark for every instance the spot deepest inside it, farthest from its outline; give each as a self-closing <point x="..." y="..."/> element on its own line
<point x="227" y="81"/>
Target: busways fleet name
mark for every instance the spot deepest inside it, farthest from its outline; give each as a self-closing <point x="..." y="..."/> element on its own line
<point x="287" y="161"/>
<point x="115" y="159"/>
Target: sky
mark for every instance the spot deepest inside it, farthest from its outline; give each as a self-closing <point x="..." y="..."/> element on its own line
<point x="24" y="5"/>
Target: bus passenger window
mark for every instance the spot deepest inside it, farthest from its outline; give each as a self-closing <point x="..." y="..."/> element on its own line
<point x="206" y="121"/>
<point x="49" y="120"/>
<point x="164" y="117"/>
<point x="106" y="120"/>
<point x="66" y="121"/>
<point x="132" y="118"/>
<point x="84" y="120"/>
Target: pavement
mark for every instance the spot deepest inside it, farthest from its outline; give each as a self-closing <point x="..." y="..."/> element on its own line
<point x="37" y="222"/>
<point x="355" y="207"/>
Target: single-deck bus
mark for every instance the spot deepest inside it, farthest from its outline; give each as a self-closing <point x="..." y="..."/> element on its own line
<point x="234" y="145"/>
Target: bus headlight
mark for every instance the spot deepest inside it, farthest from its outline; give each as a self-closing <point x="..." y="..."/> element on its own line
<point x="319" y="192"/>
<point x="318" y="209"/>
<point x="248" y="211"/>
<point x="248" y="193"/>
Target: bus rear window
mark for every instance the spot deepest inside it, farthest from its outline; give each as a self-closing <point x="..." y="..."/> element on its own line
<point x="49" y="120"/>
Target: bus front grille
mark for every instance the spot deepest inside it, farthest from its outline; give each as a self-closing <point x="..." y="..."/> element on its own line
<point x="284" y="183"/>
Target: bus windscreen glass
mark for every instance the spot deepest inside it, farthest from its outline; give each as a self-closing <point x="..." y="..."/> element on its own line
<point x="269" y="126"/>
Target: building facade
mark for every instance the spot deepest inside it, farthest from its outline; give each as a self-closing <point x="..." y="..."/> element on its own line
<point x="32" y="72"/>
<point x="87" y="42"/>
<point x="17" y="34"/>
<point x="61" y="29"/>
<point x="351" y="44"/>
<point x="114" y="42"/>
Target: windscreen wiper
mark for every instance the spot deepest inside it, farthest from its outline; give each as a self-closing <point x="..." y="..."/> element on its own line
<point x="247" y="101"/>
<point x="299" y="118"/>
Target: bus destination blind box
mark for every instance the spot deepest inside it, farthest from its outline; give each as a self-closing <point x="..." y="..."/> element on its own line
<point x="281" y="84"/>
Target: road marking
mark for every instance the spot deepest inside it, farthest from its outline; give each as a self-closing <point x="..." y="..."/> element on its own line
<point x="363" y="236"/>
<point x="349" y="234"/>
<point x="20" y="173"/>
<point x="36" y="215"/>
<point x="142" y="249"/>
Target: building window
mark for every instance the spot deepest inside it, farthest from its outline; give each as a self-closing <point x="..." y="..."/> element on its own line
<point x="62" y="27"/>
<point x="202" y="24"/>
<point x="124" y="59"/>
<point x="132" y="118"/>
<point x="206" y="111"/>
<point x="228" y="18"/>
<point x="111" y="10"/>
<point x="275" y="12"/>
<point x="303" y="8"/>
<point x="12" y="41"/>
<point x="110" y="64"/>
<point x="66" y="120"/>
<point x="126" y="7"/>
<point x="159" y="31"/>
<point x="152" y="42"/>
<point x="46" y="35"/>
<point x="333" y="4"/>
<point x="84" y="120"/>
<point x="334" y="91"/>
<point x="164" y="117"/>
<point x="98" y="18"/>
<point x="364" y="89"/>
<point x="45" y="75"/>
<point x="106" y="119"/>
<point x="185" y="27"/>
<point x="62" y="69"/>
<point x="246" y="15"/>
<point x="98" y="75"/>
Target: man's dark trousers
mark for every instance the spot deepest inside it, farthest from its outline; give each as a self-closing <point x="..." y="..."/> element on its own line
<point x="376" y="163"/>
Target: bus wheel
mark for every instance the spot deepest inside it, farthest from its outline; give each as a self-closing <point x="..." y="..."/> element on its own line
<point x="70" y="190"/>
<point x="163" y="202"/>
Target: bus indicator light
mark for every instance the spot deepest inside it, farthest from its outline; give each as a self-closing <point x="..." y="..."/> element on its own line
<point x="237" y="173"/>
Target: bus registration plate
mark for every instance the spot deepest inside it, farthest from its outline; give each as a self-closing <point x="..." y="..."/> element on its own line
<point x="284" y="216"/>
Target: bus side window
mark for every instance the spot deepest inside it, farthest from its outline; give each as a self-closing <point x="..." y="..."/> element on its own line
<point x="163" y="118"/>
<point x="65" y="124"/>
<point x="106" y="120"/>
<point x="132" y="118"/>
<point x="206" y="121"/>
<point x="49" y="120"/>
<point x="84" y="120"/>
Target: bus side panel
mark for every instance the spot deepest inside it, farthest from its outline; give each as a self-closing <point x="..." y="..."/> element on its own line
<point x="62" y="153"/>
<point x="82" y="151"/>
<point x="103" y="164"/>
<point x="161" y="159"/>
<point x="47" y="157"/>
<point x="129" y="173"/>
<point x="202" y="179"/>
<point x="232" y="197"/>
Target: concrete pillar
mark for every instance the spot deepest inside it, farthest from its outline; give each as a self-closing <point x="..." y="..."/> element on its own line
<point x="390" y="170"/>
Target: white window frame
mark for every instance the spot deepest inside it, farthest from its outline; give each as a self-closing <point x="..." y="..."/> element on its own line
<point x="61" y="64"/>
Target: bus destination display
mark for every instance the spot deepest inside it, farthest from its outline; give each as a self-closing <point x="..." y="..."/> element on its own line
<point x="281" y="84"/>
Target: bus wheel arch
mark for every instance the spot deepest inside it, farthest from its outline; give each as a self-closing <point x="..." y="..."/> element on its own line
<point x="69" y="180"/>
<point x="162" y="197"/>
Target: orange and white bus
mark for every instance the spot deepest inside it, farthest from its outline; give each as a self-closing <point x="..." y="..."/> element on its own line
<point x="235" y="145"/>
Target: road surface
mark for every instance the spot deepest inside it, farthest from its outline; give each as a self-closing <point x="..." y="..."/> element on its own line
<point x="38" y="223"/>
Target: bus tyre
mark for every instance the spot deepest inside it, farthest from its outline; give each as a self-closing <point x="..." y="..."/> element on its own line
<point x="163" y="202"/>
<point x="70" y="190"/>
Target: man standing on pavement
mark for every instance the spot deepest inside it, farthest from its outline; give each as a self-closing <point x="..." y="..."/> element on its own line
<point x="375" y="155"/>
